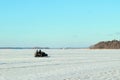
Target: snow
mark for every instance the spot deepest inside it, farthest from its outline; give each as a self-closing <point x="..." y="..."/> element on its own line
<point x="62" y="64"/>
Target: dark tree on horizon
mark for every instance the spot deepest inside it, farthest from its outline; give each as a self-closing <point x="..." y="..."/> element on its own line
<point x="114" y="44"/>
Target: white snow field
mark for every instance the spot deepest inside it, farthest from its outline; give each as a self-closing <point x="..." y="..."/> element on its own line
<point x="62" y="64"/>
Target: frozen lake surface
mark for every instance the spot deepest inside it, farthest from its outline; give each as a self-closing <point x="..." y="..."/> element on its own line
<point x="68" y="64"/>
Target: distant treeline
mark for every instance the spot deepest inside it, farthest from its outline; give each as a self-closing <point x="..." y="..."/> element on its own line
<point x="24" y="48"/>
<point x="114" y="44"/>
<point x="42" y="48"/>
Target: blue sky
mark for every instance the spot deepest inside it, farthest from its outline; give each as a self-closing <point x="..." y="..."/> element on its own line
<point x="58" y="23"/>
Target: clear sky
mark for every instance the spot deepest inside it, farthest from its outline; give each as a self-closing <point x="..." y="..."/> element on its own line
<point x="58" y="23"/>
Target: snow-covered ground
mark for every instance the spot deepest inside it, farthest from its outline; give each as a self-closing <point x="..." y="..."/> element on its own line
<point x="69" y="64"/>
